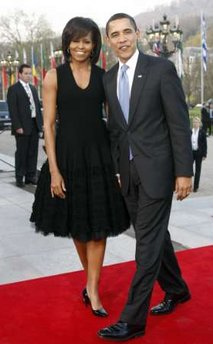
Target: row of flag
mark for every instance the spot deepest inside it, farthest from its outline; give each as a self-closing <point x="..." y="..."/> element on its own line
<point x="38" y="68"/>
<point x="39" y="65"/>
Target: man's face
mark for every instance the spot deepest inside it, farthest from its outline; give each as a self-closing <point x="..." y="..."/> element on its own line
<point x="26" y="75"/>
<point x="122" y="38"/>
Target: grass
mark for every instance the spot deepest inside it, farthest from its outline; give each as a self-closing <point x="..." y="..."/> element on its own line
<point x="195" y="112"/>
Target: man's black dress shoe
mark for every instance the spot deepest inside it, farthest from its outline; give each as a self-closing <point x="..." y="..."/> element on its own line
<point x="101" y="312"/>
<point x="121" y="331"/>
<point x="31" y="181"/>
<point x="19" y="183"/>
<point x="169" y="303"/>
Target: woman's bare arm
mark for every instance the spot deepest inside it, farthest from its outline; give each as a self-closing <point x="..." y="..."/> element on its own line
<point x="49" y="105"/>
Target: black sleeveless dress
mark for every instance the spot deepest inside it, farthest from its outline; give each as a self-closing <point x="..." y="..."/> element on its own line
<point x="93" y="208"/>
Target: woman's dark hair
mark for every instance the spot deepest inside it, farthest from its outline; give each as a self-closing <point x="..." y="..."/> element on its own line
<point x="79" y="27"/>
<point x="121" y="16"/>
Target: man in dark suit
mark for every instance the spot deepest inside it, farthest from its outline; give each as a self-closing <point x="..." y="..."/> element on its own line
<point x="205" y="118"/>
<point x="151" y="148"/>
<point x="25" y="112"/>
<point x="199" y="148"/>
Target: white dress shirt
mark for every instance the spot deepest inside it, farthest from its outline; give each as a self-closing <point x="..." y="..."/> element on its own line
<point x="30" y="95"/>
<point x="131" y="63"/>
<point x="194" y="139"/>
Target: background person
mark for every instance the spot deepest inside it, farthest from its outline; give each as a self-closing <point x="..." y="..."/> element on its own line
<point x="199" y="148"/>
<point x="211" y="114"/>
<point x="205" y="118"/>
<point x="25" y="112"/>
<point x="150" y="138"/>
<point x="78" y="194"/>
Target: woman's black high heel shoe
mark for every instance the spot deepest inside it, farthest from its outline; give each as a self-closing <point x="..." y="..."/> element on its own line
<point x="86" y="300"/>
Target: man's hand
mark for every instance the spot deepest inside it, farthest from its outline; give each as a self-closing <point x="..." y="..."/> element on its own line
<point x="20" y="131"/>
<point x="119" y="179"/>
<point x="183" y="187"/>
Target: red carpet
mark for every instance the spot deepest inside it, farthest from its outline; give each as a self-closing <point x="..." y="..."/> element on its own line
<point x="49" y="310"/>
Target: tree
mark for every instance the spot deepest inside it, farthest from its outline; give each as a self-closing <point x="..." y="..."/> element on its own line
<point x="19" y="28"/>
<point x="27" y="37"/>
<point x="192" y="80"/>
<point x="187" y="80"/>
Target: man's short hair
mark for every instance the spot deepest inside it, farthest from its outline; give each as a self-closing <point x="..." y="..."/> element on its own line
<point x="121" y="16"/>
<point x="22" y="66"/>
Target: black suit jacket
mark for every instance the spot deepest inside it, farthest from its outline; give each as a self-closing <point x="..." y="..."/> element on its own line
<point x="202" y="143"/>
<point x="19" y="108"/>
<point x="158" y="129"/>
<point x="205" y="115"/>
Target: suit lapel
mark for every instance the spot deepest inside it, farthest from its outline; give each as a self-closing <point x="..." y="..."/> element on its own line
<point x="140" y="76"/>
<point x="22" y="90"/>
<point x="33" y="93"/>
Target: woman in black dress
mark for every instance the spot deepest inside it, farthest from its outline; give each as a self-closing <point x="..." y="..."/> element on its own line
<point x="78" y="194"/>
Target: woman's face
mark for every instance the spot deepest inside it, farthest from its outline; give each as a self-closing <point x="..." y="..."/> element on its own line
<point x="81" y="48"/>
<point x="196" y="124"/>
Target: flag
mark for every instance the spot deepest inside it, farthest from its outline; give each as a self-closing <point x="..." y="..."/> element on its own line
<point x="52" y="57"/>
<point x="16" y="68"/>
<point x="179" y="53"/>
<point x="204" y="49"/>
<point x="4" y="77"/>
<point x="156" y="48"/>
<point x="4" y="81"/>
<point x="24" y="55"/>
<point x="34" y="64"/>
<point x="102" y="58"/>
<point x="43" y="69"/>
<point x="16" y="55"/>
<point x="12" y="79"/>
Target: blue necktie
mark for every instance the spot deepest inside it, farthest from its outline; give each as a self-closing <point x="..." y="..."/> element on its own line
<point x="123" y="91"/>
<point x="123" y="95"/>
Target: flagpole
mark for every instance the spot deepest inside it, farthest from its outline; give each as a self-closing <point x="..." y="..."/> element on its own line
<point x="41" y="69"/>
<point x="201" y="59"/>
<point x="24" y="53"/>
<point x="32" y="53"/>
<point x="3" y="84"/>
<point x="42" y="62"/>
<point x="204" y="54"/>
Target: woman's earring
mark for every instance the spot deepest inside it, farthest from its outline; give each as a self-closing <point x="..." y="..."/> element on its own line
<point x="92" y="54"/>
<point x="68" y="51"/>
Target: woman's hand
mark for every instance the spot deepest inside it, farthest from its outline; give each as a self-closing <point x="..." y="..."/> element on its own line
<point x="57" y="186"/>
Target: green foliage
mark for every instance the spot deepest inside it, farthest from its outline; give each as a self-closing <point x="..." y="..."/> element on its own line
<point x="193" y="41"/>
<point x="210" y="36"/>
<point x="195" y="112"/>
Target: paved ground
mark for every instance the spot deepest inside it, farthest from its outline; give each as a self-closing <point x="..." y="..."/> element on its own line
<point x="25" y="255"/>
